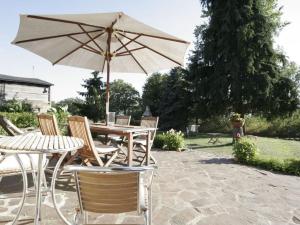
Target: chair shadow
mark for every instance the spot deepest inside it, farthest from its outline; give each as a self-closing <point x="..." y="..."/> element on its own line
<point x="218" y="161"/>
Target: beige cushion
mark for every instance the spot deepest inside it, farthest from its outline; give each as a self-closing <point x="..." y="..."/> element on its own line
<point x="105" y="148"/>
<point x="10" y="165"/>
<point x="140" y="141"/>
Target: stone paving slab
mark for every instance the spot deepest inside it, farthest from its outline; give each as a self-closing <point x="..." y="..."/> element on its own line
<point x="190" y="188"/>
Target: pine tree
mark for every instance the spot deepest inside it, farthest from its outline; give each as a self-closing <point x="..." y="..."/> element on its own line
<point x="235" y="66"/>
<point x="94" y="106"/>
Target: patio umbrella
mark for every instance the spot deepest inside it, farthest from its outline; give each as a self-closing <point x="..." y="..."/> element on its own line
<point x="111" y="42"/>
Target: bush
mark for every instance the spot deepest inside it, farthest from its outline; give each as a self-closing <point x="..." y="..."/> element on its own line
<point x="288" y="166"/>
<point x="21" y="120"/>
<point x="159" y="141"/>
<point x="173" y="140"/>
<point x="16" y="106"/>
<point x="244" y="150"/>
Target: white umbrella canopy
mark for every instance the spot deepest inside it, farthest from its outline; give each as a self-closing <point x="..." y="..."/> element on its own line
<point x="112" y="42"/>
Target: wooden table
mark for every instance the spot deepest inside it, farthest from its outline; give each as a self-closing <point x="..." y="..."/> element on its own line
<point x="40" y="144"/>
<point x="129" y="132"/>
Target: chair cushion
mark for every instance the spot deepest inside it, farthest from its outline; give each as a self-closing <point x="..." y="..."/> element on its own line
<point x="115" y="137"/>
<point x="105" y="148"/>
<point x="10" y="164"/>
<point x="139" y="141"/>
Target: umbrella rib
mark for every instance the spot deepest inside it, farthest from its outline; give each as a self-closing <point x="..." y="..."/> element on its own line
<point x="132" y="50"/>
<point x="54" y="36"/>
<point x="74" y="50"/>
<point x="91" y="38"/>
<point x="127" y="43"/>
<point x="151" y="49"/>
<point x="131" y="54"/>
<point x="154" y="36"/>
<point x="63" y="21"/>
<point x="87" y="46"/>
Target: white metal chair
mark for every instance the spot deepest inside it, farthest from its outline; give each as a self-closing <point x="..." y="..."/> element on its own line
<point x="112" y="190"/>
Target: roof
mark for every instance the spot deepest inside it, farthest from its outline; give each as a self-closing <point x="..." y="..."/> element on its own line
<point x="24" y="80"/>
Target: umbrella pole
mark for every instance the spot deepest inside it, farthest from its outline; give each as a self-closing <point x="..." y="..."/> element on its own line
<point x="108" y="58"/>
<point x="107" y="91"/>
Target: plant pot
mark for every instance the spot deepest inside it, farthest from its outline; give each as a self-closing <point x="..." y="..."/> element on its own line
<point x="237" y="124"/>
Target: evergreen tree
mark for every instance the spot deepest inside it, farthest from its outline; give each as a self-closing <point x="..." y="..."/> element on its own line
<point x="173" y="107"/>
<point x="152" y="92"/>
<point x="235" y="66"/>
<point x="94" y="106"/>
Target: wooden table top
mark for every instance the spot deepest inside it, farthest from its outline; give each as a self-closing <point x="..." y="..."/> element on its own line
<point x="119" y="128"/>
<point x="37" y="143"/>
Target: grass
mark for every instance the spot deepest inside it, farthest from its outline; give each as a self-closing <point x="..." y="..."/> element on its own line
<point x="269" y="148"/>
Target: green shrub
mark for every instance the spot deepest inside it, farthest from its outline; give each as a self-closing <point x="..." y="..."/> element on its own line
<point x="159" y="141"/>
<point x="244" y="150"/>
<point x="21" y="120"/>
<point x="288" y="166"/>
<point x="173" y="140"/>
<point x="16" y="106"/>
<point x="292" y="166"/>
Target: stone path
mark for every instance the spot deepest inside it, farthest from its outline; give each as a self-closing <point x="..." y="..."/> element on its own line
<point x="193" y="188"/>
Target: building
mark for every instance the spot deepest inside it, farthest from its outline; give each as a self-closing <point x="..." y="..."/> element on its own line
<point x="35" y="91"/>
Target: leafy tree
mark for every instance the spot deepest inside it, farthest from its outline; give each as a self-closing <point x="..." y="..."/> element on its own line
<point x="152" y="92"/>
<point x="124" y="98"/>
<point x="94" y="106"/>
<point x="74" y="105"/>
<point x="173" y="107"/>
<point x="235" y="66"/>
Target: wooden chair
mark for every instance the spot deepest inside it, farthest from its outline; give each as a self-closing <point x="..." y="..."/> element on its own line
<point x="112" y="190"/>
<point x="90" y="154"/>
<point x="141" y="142"/>
<point x="123" y="121"/>
<point x="9" y="127"/>
<point x="48" y="126"/>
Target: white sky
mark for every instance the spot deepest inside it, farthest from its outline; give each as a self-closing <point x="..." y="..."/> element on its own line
<point x="177" y="17"/>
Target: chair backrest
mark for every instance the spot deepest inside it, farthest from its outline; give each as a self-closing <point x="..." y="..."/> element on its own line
<point x="150" y="122"/>
<point x="48" y="124"/>
<point x="123" y="120"/>
<point x="109" y="192"/>
<point x="79" y="127"/>
<point x="9" y="127"/>
<point x="114" y="189"/>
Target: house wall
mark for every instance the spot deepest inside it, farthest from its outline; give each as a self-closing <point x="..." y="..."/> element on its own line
<point x="34" y="94"/>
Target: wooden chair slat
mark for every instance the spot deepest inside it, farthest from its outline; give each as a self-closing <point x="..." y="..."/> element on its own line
<point x="105" y="208"/>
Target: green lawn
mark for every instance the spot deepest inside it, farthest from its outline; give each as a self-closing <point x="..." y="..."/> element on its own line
<point x="268" y="147"/>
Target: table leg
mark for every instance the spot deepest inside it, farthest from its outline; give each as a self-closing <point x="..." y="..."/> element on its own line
<point x="24" y="176"/>
<point x="130" y="149"/>
<point x="148" y="148"/>
<point x="38" y="204"/>
<point x="53" y="187"/>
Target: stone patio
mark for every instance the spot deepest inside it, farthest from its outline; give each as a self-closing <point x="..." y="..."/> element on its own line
<point x="191" y="188"/>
